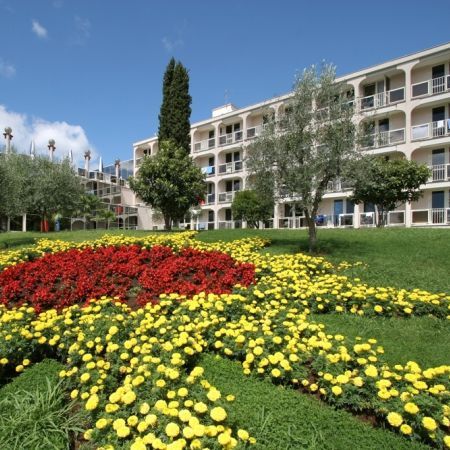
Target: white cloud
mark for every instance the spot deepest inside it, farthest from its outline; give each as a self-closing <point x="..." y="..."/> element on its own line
<point x="83" y="31"/>
<point x="39" y="30"/>
<point x="170" y="44"/>
<point x="7" y="70"/>
<point x="26" y="129"/>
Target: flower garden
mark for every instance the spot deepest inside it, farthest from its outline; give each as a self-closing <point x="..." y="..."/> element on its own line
<point x="129" y="317"/>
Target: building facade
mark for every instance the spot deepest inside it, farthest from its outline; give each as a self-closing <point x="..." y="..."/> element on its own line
<point x="404" y="102"/>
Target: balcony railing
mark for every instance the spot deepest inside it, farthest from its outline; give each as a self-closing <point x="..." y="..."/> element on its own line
<point x="385" y="138"/>
<point x="229" y="224"/>
<point x="139" y="161"/>
<point x="440" y="172"/>
<point x="206" y="144"/>
<point x="434" y="216"/>
<point x="338" y="186"/>
<point x="200" y="226"/>
<point x="226" y="197"/>
<point x="431" y="87"/>
<point x="209" y="171"/>
<point x="254" y="131"/>
<point x="440" y="128"/>
<point x="231" y="167"/>
<point x="210" y="199"/>
<point x="231" y="138"/>
<point x="382" y="99"/>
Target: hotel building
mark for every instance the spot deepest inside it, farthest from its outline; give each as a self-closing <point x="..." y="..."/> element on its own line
<point x="404" y="102"/>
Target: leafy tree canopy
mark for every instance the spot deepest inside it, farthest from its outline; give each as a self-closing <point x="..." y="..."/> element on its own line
<point x="253" y="207"/>
<point x="387" y="183"/>
<point x="308" y="145"/>
<point x="169" y="182"/>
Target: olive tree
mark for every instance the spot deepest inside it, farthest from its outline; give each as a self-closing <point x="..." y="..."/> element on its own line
<point x="299" y="153"/>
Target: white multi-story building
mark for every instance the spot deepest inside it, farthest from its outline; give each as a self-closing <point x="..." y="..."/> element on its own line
<point x="406" y="104"/>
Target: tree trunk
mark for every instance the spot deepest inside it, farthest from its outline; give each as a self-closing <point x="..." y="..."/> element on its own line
<point x="167" y="222"/>
<point x="312" y="235"/>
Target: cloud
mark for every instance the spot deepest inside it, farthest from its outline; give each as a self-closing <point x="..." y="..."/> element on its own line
<point x="26" y="129"/>
<point x="170" y="44"/>
<point x="38" y="29"/>
<point x="82" y="31"/>
<point x="7" y="70"/>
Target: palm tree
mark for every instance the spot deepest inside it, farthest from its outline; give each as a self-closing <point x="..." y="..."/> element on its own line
<point x="89" y="203"/>
<point x="106" y="215"/>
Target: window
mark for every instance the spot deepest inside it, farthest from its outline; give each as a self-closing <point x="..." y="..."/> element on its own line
<point x="228" y="215"/>
<point x="211" y="134"/>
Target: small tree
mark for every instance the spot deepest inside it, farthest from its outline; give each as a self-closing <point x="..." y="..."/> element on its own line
<point x="175" y="113"/>
<point x="297" y="156"/>
<point x="87" y="206"/>
<point x="252" y="207"/>
<point x="387" y="184"/>
<point x="169" y="182"/>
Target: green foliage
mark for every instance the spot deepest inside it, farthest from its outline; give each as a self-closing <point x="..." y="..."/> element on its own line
<point x="312" y="143"/>
<point x="169" y="182"/>
<point x="34" y="412"/>
<point x="281" y="418"/>
<point x="387" y="183"/>
<point x="175" y="113"/>
<point x="252" y="207"/>
<point x="37" y="185"/>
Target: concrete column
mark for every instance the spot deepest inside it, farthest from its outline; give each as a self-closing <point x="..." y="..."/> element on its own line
<point x="24" y="223"/>
<point x="193" y="130"/>
<point x="356" y="221"/>
<point x="408" y="215"/>
<point x="408" y="76"/>
<point x="276" y="216"/>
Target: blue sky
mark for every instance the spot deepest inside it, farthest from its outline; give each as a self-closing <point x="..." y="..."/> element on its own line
<point x="88" y="72"/>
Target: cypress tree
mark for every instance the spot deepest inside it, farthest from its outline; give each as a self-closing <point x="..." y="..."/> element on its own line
<point x="174" y="119"/>
<point x="165" y="124"/>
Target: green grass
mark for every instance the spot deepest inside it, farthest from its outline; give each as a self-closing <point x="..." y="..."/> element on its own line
<point x="282" y="419"/>
<point x="425" y="340"/>
<point x="34" y="412"/>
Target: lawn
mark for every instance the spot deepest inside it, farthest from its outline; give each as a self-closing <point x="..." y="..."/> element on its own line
<point x="281" y="418"/>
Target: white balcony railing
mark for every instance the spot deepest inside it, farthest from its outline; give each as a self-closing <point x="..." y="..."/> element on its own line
<point x="440" y="172"/>
<point x="322" y="220"/>
<point x="254" y="132"/>
<point x="210" y="199"/>
<point x="396" y="218"/>
<point x="229" y="224"/>
<point x="206" y="144"/>
<point x="231" y="138"/>
<point x="231" y="167"/>
<point x="434" y="216"/>
<point x="440" y="128"/>
<point x="431" y="87"/>
<point x="338" y="186"/>
<point x="226" y="197"/>
<point x="382" y="99"/>
<point x="385" y="138"/>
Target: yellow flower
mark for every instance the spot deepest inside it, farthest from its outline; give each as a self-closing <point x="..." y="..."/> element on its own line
<point x="406" y="429"/>
<point x="429" y="423"/>
<point x="123" y="431"/>
<point x="395" y="419"/>
<point x="92" y="403"/>
<point x="337" y="390"/>
<point x="371" y="371"/>
<point x="224" y="438"/>
<point x="128" y="397"/>
<point x="218" y="414"/>
<point x="200" y="407"/>
<point x="144" y="408"/>
<point x="243" y="434"/>
<point x="213" y="394"/>
<point x="172" y="429"/>
<point x="411" y="408"/>
<point x="101" y="423"/>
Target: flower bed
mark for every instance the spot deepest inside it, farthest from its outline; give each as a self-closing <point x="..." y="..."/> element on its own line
<point x="131" y="369"/>
<point x="130" y="272"/>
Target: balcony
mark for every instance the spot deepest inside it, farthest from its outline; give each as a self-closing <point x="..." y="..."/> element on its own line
<point x="201" y="226"/>
<point x="210" y="199"/>
<point x="229" y="224"/>
<point x="440" y="172"/>
<point x="206" y="144"/>
<point x="434" y="216"/>
<point x="254" y="132"/>
<point x="209" y="171"/>
<point x="231" y="138"/>
<point x="382" y="99"/>
<point x="226" y="197"/>
<point x="440" y="128"/>
<point x="231" y="167"/>
<point x="431" y="87"/>
<point x="139" y="161"/>
<point x="338" y="186"/>
<point x="384" y="138"/>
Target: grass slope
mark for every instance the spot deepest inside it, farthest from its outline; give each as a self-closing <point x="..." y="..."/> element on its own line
<point x="283" y="419"/>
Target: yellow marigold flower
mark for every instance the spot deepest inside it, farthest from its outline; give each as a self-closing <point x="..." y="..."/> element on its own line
<point x="138" y="445"/>
<point x="172" y="429"/>
<point x="447" y="441"/>
<point x="200" y="407"/>
<point x="92" y="403"/>
<point x="218" y="414"/>
<point x="395" y="419"/>
<point x="371" y="371"/>
<point x="337" y="390"/>
<point x="224" y="439"/>
<point x="123" y="432"/>
<point x="128" y="397"/>
<point x="188" y="432"/>
<point x="243" y="434"/>
<point x="132" y="420"/>
<point x="411" y="408"/>
<point x="151" y="419"/>
<point x="101" y="423"/>
<point x="406" y="429"/>
<point x="429" y="423"/>
<point x="144" y="408"/>
<point x="213" y="395"/>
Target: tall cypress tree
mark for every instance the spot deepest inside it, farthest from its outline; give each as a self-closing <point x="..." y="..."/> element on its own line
<point x="165" y="124"/>
<point x="174" y="119"/>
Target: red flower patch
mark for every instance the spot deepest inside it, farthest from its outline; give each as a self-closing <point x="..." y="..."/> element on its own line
<point x="129" y="272"/>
